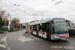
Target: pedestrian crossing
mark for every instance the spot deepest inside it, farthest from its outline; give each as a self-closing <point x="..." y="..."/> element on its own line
<point x="3" y="44"/>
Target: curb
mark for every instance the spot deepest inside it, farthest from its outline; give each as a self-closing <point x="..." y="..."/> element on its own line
<point x="26" y="34"/>
<point x="1" y="32"/>
<point x="9" y="31"/>
<point x="5" y="31"/>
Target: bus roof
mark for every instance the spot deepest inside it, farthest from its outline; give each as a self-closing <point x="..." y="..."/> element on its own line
<point x="39" y="22"/>
<point x="43" y="21"/>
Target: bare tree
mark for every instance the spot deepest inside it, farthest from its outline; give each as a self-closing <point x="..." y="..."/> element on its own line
<point x="4" y="15"/>
<point x="1" y="22"/>
<point x="15" y="22"/>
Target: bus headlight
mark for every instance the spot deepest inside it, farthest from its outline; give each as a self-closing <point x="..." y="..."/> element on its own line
<point x="55" y="36"/>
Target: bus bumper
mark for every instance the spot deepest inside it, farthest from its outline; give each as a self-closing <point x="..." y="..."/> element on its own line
<point x="59" y="36"/>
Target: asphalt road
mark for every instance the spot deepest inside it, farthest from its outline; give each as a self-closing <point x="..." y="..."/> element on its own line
<point x="18" y="41"/>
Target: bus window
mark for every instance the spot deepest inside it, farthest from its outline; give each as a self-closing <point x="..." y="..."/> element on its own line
<point x="30" y="27"/>
<point x="34" y="27"/>
<point x="49" y="26"/>
<point x="40" y="27"/>
<point x="52" y="28"/>
<point x="44" y="27"/>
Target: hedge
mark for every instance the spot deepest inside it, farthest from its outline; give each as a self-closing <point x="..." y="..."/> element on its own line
<point x="71" y="32"/>
<point x="15" y="29"/>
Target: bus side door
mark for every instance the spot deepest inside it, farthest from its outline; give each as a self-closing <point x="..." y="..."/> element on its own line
<point x="48" y="30"/>
<point x="37" y="31"/>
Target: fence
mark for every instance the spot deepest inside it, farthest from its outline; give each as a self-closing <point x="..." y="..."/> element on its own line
<point x="6" y="28"/>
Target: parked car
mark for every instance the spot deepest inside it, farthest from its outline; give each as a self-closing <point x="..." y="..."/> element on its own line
<point x="71" y="27"/>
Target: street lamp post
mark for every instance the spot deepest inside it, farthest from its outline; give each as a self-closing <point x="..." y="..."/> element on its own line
<point x="9" y="23"/>
<point x="35" y="17"/>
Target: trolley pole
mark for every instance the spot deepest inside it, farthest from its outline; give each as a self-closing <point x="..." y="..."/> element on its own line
<point x="42" y="15"/>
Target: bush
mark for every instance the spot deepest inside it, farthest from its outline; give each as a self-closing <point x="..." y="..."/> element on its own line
<point x="71" y="32"/>
<point x="15" y="29"/>
<point x="1" y="29"/>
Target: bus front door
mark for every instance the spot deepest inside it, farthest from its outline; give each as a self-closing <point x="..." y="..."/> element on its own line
<point x="48" y="30"/>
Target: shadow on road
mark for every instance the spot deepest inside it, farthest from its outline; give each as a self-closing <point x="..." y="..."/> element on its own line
<point x="57" y="41"/>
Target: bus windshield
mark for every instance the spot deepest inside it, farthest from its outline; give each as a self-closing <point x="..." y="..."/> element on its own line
<point x="60" y="27"/>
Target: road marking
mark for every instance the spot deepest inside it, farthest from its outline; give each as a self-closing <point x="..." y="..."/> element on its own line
<point x="1" y="45"/>
<point x="25" y="39"/>
<point x="36" y="39"/>
<point x="4" y="39"/>
<point x="8" y="48"/>
<point x="17" y="37"/>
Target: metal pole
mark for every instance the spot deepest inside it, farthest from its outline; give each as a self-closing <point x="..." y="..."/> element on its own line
<point x="28" y="28"/>
<point x="20" y="26"/>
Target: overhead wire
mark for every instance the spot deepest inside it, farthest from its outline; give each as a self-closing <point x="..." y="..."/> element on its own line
<point x="17" y="5"/>
<point x="20" y="3"/>
<point x="56" y="3"/>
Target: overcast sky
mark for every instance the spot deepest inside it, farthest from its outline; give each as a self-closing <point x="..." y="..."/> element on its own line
<point x="33" y="9"/>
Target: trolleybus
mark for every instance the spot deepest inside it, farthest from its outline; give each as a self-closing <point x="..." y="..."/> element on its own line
<point x="54" y="29"/>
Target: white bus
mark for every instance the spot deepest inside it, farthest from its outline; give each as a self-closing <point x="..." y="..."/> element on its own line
<point x="54" y="29"/>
